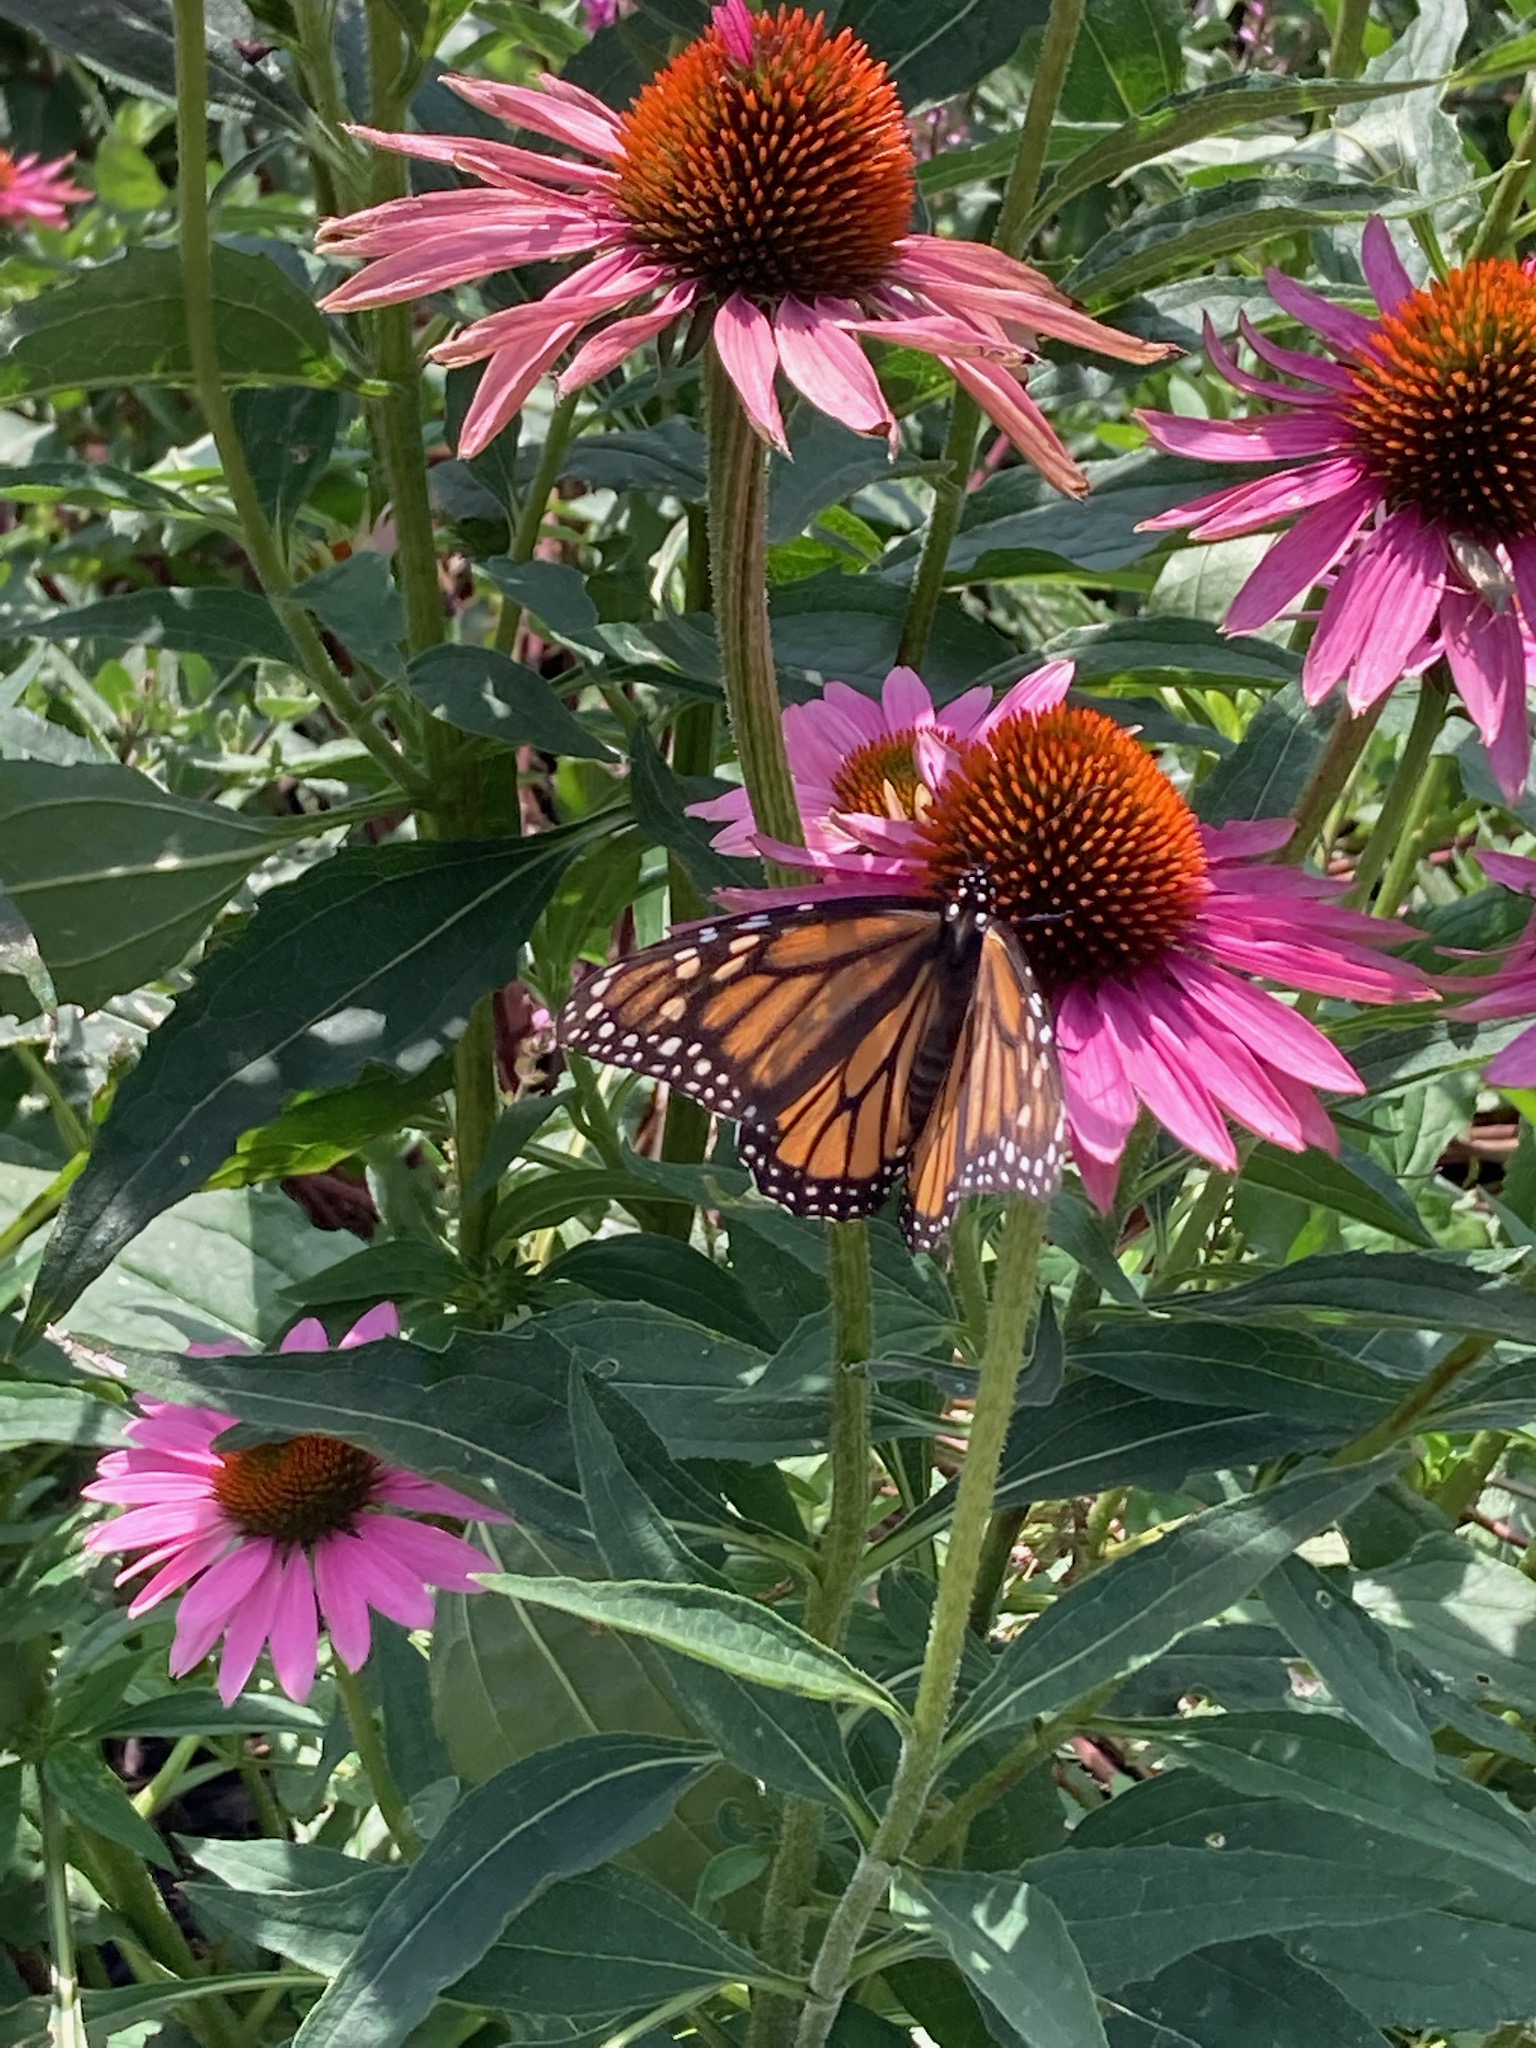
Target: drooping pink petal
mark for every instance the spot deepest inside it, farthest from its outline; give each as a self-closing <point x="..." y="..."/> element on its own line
<point x="250" y="1623"/>
<point x="427" y="1497"/>
<point x="498" y="163"/>
<point x="1267" y="437"/>
<point x="1401" y="576"/>
<point x="1385" y="272"/>
<point x="1487" y="659"/>
<point x="1227" y="366"/>
<point x="384" y="1582"/>
<point x="744" y="342"/>
<point x="504" y="389"/>
<point x="176" y="1522"/>
<point x="1289" y="1040"/>
<point x="456" y="257"/>
<point x="1515" y="1066"/>
<point x="1513" y="870"/>
<point x="558" y="117"/>
<point x="1009" y="406"/>
<point x="218" y="1596"/>
<point x="1101" y="1101"/>
<point x="1295" y="362"/>
<point x="1345" y="332"/>
<point x="436" y="1557"/>
<point x="1246" y="508"/>
<point x="1302" y="557"/>
<point x="295" y="1630"/>
<point x="189" y="1559"/>
<point x="829" y="367"/>
<point x="342" y="1600"/>
<point x="605" y="351"/>
<point x="1164" y="1075"/>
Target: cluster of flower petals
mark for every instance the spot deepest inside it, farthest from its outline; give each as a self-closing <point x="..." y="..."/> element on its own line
<point x="1404" y="582"/>
<point x="1187" y="1035"/>
<point x="975" y="309"/>
<point x="254" y="1589"/>
<point x="1510" y="990"/>
<point x="31" y="189"/>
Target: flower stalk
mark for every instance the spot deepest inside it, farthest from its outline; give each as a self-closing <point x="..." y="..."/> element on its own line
<point x="1014" y="224"/>
<point x="1496" y="231"/>
<point x="1404" y="798"/>
<point x="371" y="1754"/>
<point x="1013" y="1303"/>
<point x="66" y="2024"/>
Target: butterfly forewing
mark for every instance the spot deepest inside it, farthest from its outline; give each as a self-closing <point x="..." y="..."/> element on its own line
<point x="814" y="1027"/>
<point x="997" y="1122"/>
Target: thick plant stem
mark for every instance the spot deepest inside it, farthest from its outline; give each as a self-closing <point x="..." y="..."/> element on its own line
<point x="1014" y="224"/>
<point x="66" y="2026"/>
<point x="1415" y="1404"/>
<point x="1403" y="791"/>
<point x="1494" y="235"/>
<point x="1013" y="1301"/>
<point x="1346" y="59"/>
<point x="311" y="658"/>
<point x="1461" y="1488"/>
<point x="738" y="564"/>
<point x="1340" y="757"/>
<point x="370" y="1754"/>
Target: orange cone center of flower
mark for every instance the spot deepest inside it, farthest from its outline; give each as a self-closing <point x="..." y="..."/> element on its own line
<point x="7" y="169"/>
<point x="297" y="1491"/>
<point x="1444" y="405"/>
<point x="1092" y="854"/>
<point x="880" y="778"/>
<point x="791" y="173"/>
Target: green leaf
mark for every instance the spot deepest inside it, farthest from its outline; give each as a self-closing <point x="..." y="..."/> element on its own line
<point x="195" y="1710"/>
<point x="936" y="53"/>
<point x="1129" y="55"/>
<point x="1441" y="1970"/>
<point x="1133" y="1910"/>
<point x="1264" y="1370"/>
<point x="313" y="1135"/>
<point x="716" y="1627"/>
<point x="1329" y="1763"/>
<point x="792" y="1744"/>
<point x="554" y="593"/>
<point x="483" y="692"/>
<point x="1165" y="647"/>
<point x="35" y="1413"/>
<point x="1267" y="770"/>
<point x="358" y="600"/>
<point x="288" y="433"/>
<point x="645" y="1266"/>
<point x="133" y="43"/>
<point x="849" y="627"/>
<point x="10" y="1812"/>
<point x="660" y="800"/>
<point x="1419" y="1290"/>
<point x="110" y="2013"/>
<point x="566" y="1810"/>
<point x="373" y="958"/>
<point x="123" y="322"/>
<point x="399" y="1401"/>
<point x="1351" y="1185"/>
<point x="117" y="878"/>
<point x="666" y="457"/>
<point x="94" y="1797"/>
<point x="1015" y="1948"/>
<point x="1186" y="234"/>
<point x="1125" y="1614"/>
<point x="227" y="625"/>
<point x="318" y="1928"/>
<point x="1466" y="1615"/>
<point x="1240" y="1991"/>
<point x="1353" y="1656"/>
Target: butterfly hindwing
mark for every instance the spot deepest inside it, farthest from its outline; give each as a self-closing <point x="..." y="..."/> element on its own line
<point x="997" y="1122"/>
<point x="814" y="1027"/>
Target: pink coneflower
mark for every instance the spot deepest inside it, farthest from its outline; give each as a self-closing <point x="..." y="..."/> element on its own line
<point x="1141" y="924"/>
<point x="1409" y="457"/>
<point x="277" y="1541"/>
<point x="1510" y="990"/>
<point x="33" y="190"/>
<point x="763" y="180"/>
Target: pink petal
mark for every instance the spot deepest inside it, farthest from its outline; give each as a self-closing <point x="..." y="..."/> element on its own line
<point x="1247" y="507"/>
<point x="385" y="1583"/>
<point x="744" y="342"/>
<point x="1384" y="269"/>
<point x="1245" y="838"/>
<point x="544" y="112"/>
<point x="1397" y="596"/>
<point x="1300" y="558"/>
<point x="377" y="1324"/>
<point x="732" y="22"/>
<point x="217" y="1598"/>
<point x="905" y="700"/>
<point x="1268" y="437"/>
<point x="249" y="1627"/>
<point x="1513" y="870"/>
<point x="342" y="1600"/>
<point x="1488" y="660"/>
<point x="1515" y="1066"/>
<point x="227" y="1347"/>
<point x="605" y="351"/>
<point x="1041" y="691"/>
<point x="1314" y="369"/>
<point x="1227" y="366"/>
<point x="1286" y="1039"/>
<point x="829" y="367"/>
<point x="427" y="1497"/>
<point x="430" y="1554"/>
<point x="177" y="1523"/>
<point x="1163" y="1073"/>
<point x="1101" y="1102"/>
<point x="189" y="1559"/>
<point x="498" y="163"/>
<point x="306" y="1336"/>
<point x="509" y="378"/>
<point x="1345" y="332"/>
<point x="1009" y="406"/>
<point x="295" y="1629"/>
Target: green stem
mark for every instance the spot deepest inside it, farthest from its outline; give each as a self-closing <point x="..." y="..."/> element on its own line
<point x="1341" y="754"/>
<point x="1460" y="1489"/>
<point x="1415" y="1404"/>
<point x="1403" y="790"/>
<point x="71" y="1127"/>
<point x="738" y="546"/>
<point x="1205" y="1212"/>
<point x="1101" y="1518"/>
<point x="1397" y="880"/>
<point x="1495" y="236"/>
<point x="1042" y="1741"/>
<point x="1347" y="57"/>
<point x="1013" y="1301"/>
<point x="162" y="1787"/>
<point x="127" y="1886"/>
<point x="996" y="1557"/>
<point x="476" y="1105"/>
<point x="1014" y="224"/>
<point x="261" y="545"/>
<point x="530" y="517"/>
<point x="66" y="2026"/>
<point x="369" y="1744"/>
<point x="781" y="1930"/>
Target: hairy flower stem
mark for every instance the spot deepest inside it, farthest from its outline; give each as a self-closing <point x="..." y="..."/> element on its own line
<point x="1496" y="231"/>
<point x="1014" y="225"/>
<point x="371" y="1755"/>
<point x="1403" y="793"/>
<point x="310" y="657"/>
<point x="1013" y="1301"/>
<point x="1346" y="59"/>
<point x="66" y="2026"/>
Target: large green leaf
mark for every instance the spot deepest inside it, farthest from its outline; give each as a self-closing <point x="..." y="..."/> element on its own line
<point x="1122" y="1616"/>
<point x="935" y="53"/>
<point x="566" y="1810"/>
<point x="716" y="1627"/>
<point x="373" y="958"/>
<point x="1015" y="1948"/>
<point x="1463" y="1614"/>
<point x="1351" y="1185"/>
<point x="1240" y="1991"/>
<point x="227" y="625"/>
<point x="483" y="692"/>
<point x="1353" y="1656"/>
<point x="1129" y="55"/>
<point x="1164" y="647"/>
<point x="118" y="878"/>
<point x="1424" y="1291"/>
<point x="124" y="322"/>
<point x="133" y="43"/>
<point x="1443" y="1970"/>
<point x="1265" y="1370"/>
<point x="32" y="1412"/>
<point x="1267" y="770"/>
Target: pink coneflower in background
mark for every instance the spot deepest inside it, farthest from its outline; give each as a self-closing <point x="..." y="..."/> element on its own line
<point x="33" y="190"/>
<point x="1510" y="990"/>
<point x="277" y="1541"/>
<point x="1141" y="924"/>
<point x="763" y="180"/>
<point x="1410" y="472"/>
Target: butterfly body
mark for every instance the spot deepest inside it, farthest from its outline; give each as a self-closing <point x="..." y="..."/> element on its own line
<point x="855" y="1041"/>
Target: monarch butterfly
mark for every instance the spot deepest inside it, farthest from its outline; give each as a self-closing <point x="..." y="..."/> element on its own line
<point x="854" y="1040"/>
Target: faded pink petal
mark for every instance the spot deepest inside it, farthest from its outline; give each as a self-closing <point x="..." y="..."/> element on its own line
<point x="829" y="367"/>
<point x="1009" y="406"/>
<point x="605" y="351"/>
<point x="584" y="123"/>
<point x="744" y="341"/>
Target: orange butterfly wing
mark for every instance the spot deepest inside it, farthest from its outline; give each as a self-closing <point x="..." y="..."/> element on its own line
<point x="998" y="1121"/>
<point x="821" y="1029"/>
